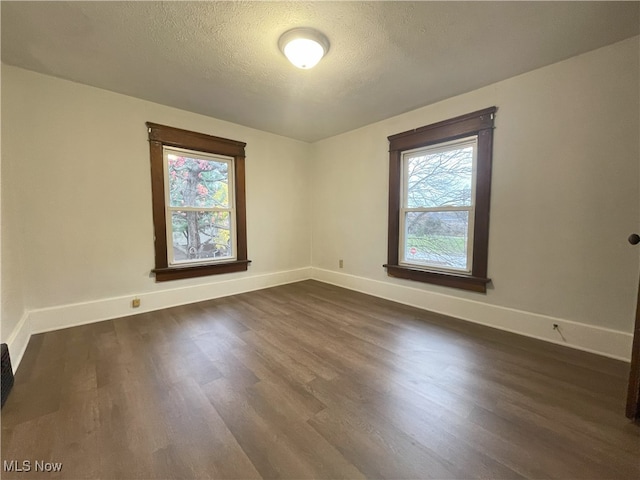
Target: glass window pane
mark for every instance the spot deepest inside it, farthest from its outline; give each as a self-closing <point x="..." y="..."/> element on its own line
<point x="437" y="239"/>
<point x="440" y="178"/>
<point x="201" y="235"/>
<point x="196" y="182"/>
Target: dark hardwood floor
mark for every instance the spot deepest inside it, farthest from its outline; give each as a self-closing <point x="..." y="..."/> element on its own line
<point x="313" y="381"/>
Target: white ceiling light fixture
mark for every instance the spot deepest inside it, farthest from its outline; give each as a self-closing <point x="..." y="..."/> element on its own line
<point x="304" y="47"/>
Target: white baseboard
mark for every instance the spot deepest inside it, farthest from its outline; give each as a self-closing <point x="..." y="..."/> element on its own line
<point x="590" y="338"/>
<point x="18" y="340"/>
<point x="54" y="318"/>
<point x="602" y="341"/>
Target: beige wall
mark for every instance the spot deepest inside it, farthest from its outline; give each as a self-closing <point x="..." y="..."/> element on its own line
<point x="76" y="199"/>
<point x="77" y="195"/>
<point x="13" y="304"/>
<point x="565" y="192"/>
<point x="12" y="300"/>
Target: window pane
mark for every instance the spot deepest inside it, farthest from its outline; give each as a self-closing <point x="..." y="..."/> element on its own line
<point x="200" y="235"/>
<point x="437" y="239"/>
<point x="195" y="182"/>
<point x="441" y="178"/>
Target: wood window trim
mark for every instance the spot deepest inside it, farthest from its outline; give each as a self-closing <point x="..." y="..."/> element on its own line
<point x="161" y="136"/>
<point x="480" y="123"/>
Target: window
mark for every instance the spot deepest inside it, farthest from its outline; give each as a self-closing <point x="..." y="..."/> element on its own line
<point x="436" y="218"/>
<point x="439" y="192"/>
<point x="198" y="203"/>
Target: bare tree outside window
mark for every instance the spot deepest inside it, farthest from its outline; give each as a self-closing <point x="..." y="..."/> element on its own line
<point x="439" y="184"/>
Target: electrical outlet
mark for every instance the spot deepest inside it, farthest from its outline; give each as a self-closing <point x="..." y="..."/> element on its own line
<point x="135" y="303"/>
<point x="341" y="263"/>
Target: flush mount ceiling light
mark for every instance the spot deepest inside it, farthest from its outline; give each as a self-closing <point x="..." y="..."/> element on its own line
<point x="304" y="47"/>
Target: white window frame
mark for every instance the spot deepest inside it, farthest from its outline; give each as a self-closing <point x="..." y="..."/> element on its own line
<point x="166" y="150"/>
<point x="404" y="201"/>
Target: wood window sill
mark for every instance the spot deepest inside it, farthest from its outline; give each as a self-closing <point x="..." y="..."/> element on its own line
<point x="191" y="271"/>
<point x="453" y="280"/>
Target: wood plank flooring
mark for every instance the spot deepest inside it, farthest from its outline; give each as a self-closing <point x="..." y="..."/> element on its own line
<point x="310" y="380"/>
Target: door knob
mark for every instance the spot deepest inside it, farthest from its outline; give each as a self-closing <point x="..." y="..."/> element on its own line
<point x="634" y="239"/>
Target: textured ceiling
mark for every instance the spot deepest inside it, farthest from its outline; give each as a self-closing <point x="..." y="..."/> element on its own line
<point x="221" y="58"/>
